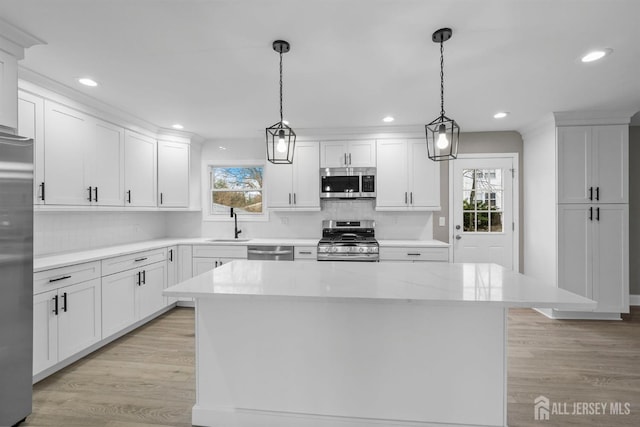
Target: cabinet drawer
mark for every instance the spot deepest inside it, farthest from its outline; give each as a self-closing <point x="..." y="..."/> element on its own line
<point x="305" y="252"/>
<point x="414" y="254"/>
<point x="228" y="251"/>
<point x="135" y="260"/>
<point x="64" y="276"/>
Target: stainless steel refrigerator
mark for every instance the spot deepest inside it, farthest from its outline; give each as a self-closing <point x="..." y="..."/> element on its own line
<point x="16" y="278"/>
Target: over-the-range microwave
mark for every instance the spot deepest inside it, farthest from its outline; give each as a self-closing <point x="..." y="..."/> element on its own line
<point x="347" y="183"/>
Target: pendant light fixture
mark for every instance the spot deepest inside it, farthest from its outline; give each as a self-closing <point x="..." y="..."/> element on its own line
<point x="443" y="133"/>
<point x="281" y="139"/>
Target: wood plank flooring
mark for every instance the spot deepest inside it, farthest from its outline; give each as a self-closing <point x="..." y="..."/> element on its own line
<point x="147" y="378"/>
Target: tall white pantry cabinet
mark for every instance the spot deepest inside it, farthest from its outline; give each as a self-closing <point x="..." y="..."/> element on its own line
<point x="592" y="211"/>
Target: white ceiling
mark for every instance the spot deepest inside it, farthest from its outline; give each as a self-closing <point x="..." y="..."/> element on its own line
<point x="209" y="64"/>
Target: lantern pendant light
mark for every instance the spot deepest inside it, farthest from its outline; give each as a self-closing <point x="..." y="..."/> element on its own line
<point x="443" y="133"/>
<point x="281" y="139"/>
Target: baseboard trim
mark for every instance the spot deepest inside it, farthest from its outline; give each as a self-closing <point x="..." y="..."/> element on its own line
<point x="577" y="315"/>
<point x="634" y="299"/>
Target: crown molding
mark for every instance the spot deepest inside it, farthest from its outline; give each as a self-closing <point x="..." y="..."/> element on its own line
<point x="14" y="40"/>
<point x="585" y="118"/>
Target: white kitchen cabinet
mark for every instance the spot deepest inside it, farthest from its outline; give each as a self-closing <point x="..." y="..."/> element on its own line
<point x="66" y="320"/>
<point x="172" y="271"/>
<point x="208" y="257"/>
<point x="140" y="170"/>
<point x="593" y="164"/>
<point x="414" y="254"/>
<point x="593" y="253"/>
<point x="296" y="186"/>
<point x="406" y="179"/>
<point x="305" y="253"/>
<point x="8" y="89"/>
<point x="173" y="174"/>
<point x="31" y="125"/>
<point x="149" y="298"/>
<point x="104" y="163"/>
<point x="337" y="154"/>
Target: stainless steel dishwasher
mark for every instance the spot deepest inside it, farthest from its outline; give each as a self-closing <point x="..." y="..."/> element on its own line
<point x="270" y="253"/>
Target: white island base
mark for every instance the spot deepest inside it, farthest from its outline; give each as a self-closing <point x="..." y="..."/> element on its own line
<point x="356" y="344"/>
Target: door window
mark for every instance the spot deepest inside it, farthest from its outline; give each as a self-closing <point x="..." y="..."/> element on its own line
<point x="482" y="200"/>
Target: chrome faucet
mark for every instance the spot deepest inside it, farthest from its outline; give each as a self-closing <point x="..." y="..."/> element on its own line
<point x="235" y="220"/>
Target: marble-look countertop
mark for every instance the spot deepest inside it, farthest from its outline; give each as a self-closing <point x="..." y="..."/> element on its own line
<point x="440" y="283"/>
<point x="69" y="258"/>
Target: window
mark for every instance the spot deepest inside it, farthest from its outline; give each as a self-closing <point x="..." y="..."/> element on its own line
<point x="238" y="187"/>
<point x="482" y="200"/>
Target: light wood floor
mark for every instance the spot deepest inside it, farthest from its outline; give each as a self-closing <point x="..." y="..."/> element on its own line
<point x="147" y="377"/>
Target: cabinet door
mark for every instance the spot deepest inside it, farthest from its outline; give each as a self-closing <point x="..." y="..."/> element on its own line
<point x="173" y="174"/>
<point x="31" y="125"/>
<point x="575" y="241"/>
<point x="9" y="90"/>
<point x="66" y="138"/>
<point x="105" y="163"/>
<point x="611" y="258"/>
<point x="45" y="332"/>
<point x="118" y="301"/>
<point x="172" y="271"/>
<point x="149" y="298"/>
<point x="361" y="154"/>
<point x="391" y="178"/>
<point x="424" y="177"/>
<point x="202" y="265"/>
<point x="279" y="180"/>
<point x="139" y="170"/>
<point x="185" y="259"/>
<point x="79" y="318"/>
<point x="611" y="163"/>
<point x="574" y="145"/>
<point x="306" y="176"/>
<point x="333" y="154"/>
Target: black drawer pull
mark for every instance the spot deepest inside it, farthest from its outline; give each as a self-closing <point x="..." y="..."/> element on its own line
<point x="591" y="213"/>
<point x="305" y="252"/>
<point x="138" y="282"/>
<point x="55" y="305"/>
<point x="597" y="214"/>
<point x="590" y="193"/>
<point x="96" y="194"/>
<point x="90" y="194"/>
<point x="140" y="259"/>
<point x="597" y="193"/>
<point x="171" y="255"/>
<point x="414" y="253"/>
<point x="144" y="277"/>
<point x="59" y="278"/>
<point x="42" y="194"/>
<point x="64" y="301"/>
<point x="128" y="196"/>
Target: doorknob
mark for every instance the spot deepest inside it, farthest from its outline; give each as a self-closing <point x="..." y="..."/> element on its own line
<point x="458" y="237"/>
<point x="457" y="227"/>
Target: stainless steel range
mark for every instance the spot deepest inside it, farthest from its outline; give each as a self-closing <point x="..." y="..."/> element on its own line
<point x="348" y="241"/>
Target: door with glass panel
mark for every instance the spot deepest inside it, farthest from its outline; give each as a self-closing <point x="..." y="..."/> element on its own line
<point x="483" y="227"/>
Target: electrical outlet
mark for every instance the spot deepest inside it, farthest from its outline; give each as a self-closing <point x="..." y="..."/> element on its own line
<point x="284" y="220"/>
<point x="441" y="221"/>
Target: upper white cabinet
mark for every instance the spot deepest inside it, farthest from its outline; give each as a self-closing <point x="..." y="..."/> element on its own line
<point x="296" y="186"/>
<point x="31" y="125"/>
<point x="406" y="178"/>
<point x="337" y="154"/>
<point x="140" y="170"/>
<point x="83" y="159"/>
<point x="593" y="164"/>
<point x="8" y="90"/>
<point x="173" y="174"/>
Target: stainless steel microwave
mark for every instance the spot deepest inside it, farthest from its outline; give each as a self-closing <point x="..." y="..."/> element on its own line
<point x="347" y="183"/>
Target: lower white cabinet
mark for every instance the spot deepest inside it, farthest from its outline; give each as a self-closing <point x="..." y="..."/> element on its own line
<point x="132" y="295"/>
<point x="65" y="321"/>
<point x="305" y="253"/>
<point x="414" y="254"/>
<point x="172" y="271"/>
<point x="593" y="253"/>
<point x="208" y="257"/>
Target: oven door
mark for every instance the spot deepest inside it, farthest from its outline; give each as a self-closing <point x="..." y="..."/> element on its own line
<point x="339" y="186"/>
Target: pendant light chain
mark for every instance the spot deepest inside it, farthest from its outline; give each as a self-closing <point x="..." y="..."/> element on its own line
<point x="441" y="78"/>
<point x="281" y="87"/>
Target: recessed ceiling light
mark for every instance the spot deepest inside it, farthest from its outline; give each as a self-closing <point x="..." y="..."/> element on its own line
<point x="177" y="126"/>
<point x="87" y="82"/>
<point x="500" y="115"/>
<point x="222" y="148"/>
<point x="388" y="119"/>
<point x="594" y="55"/>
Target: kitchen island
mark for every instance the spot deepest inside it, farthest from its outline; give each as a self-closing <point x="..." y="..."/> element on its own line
<point x="356" y="344"/>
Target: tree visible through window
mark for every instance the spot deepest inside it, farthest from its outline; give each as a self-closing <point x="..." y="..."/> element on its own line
<point x="482" y="200"/>
<point x="236" y="187"/>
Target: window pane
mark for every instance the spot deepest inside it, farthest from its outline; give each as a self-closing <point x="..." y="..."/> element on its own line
<point x="496" y="222"/>
<point x="469" y="221"/>
<point x="244" y="201"/>
<point x="483" y="221"/>
<point x="468" y="179"/>
<point x="231" y="178"/>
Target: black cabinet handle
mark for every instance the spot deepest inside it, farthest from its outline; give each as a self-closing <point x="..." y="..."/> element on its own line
<point x="64" y="301"/>
<point x="171" y="255"/>
<point x="289" y="198"/>
<point x="59" y="278"/>
<point x="349" y="158"/>
<point x="411" y="197"/>
<point x="590" y="193"/>
<point x="128" y="196"/>
<point x="138" y="282"/>
<point x="55" y="305"/>
<point x="591" y="213"/>
<point x="597" y="214"/>
<point x="139" y="259"/>
<point x="597" y="193"/>
<point x="96" y="194"/>
<point x="413" y="253"/>
<point x="144" y="277"/>
<point x="305" y="252"/>
<point x="294" y="198"/>
<point x="405" y="197"/>
<point x="90" y="194"/>
<point x="42" y="191"/>
<point x="160" y="198"/>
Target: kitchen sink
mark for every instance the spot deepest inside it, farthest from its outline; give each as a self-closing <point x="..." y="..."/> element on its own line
<point x="228" y="240"/>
